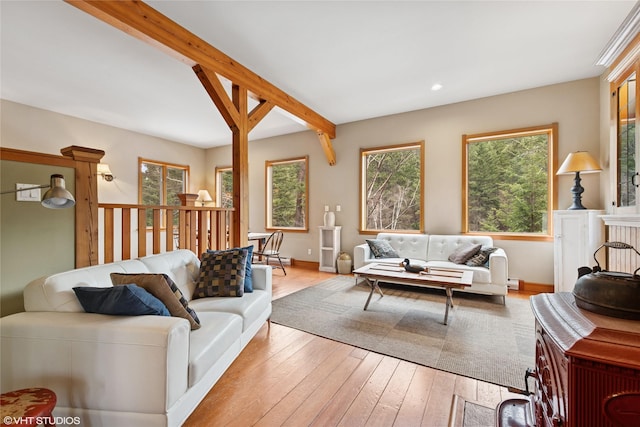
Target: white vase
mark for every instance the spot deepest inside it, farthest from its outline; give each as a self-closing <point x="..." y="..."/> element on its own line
<point x="329" y="219"/>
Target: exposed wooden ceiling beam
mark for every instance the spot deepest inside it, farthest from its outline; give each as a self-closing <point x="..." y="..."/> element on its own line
<point x="145" y="23"/>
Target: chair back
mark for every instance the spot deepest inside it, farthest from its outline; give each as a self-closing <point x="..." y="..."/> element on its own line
<point x="272" y="245"/>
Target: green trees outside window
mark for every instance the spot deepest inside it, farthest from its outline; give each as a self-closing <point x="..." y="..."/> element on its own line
<point x="509" y="180"/>
<point x="287" y="194"/>
<point x="391" y="188"/>
<point x="224" y="187"/>
<point x="160" y="183"/>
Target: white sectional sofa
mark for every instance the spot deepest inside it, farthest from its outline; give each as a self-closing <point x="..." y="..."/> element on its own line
<point x="434" y="251"/>
<point x="128" y="370"/>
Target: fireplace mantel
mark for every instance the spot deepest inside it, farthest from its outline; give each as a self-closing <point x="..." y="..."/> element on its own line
<point x="630" y="220"/>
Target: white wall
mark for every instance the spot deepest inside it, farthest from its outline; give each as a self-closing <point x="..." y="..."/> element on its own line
<point x="34" y="129"/>
<point x="574" y="105"/>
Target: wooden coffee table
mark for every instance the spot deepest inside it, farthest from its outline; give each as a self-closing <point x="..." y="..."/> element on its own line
<point x="447" y="278"/>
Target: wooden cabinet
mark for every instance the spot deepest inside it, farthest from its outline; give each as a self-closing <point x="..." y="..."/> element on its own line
<point x="577" y="235"/>
<point x="586" y="364"/>
<point x="329" y="247"/>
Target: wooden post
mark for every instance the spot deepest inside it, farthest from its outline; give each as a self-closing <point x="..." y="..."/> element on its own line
<point x="86" y="165"/>
<point x="187" y="199"/>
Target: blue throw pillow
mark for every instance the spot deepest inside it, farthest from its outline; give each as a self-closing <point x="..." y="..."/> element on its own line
<point x="248" y="280"/>
<point x="126" y="300"/>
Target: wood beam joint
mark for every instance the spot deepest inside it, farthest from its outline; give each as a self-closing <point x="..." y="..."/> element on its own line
<point x="327" y="147"/>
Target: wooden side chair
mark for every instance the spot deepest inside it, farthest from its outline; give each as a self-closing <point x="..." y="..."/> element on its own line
<point x="271" y="249"/>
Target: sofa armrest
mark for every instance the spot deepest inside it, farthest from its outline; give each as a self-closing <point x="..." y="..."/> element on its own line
<point x="499" y="267"/>
<point x="361" y="255"/>
<point x="261" y="277"/>
<point x="95" y="361"/>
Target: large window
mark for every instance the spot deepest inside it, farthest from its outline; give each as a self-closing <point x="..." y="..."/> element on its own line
<point x="224" y="187"/>
<point x="391" y="188"/>
<point x="508" y="181"/>
<point x="160" y="183"/>
<point x="287" y="192"/>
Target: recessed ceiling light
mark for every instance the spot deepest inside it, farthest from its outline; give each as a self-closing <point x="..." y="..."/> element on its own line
<point x="436" y="86"/>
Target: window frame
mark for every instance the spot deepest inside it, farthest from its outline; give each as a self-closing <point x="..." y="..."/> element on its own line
<point x="364" y="152"/>
<point x="218" y="184"/>
<point x="615" y="84"/>
<point x="269" y="191"/>
<point x="164" y="166"/>
<point x="552" y="165"/>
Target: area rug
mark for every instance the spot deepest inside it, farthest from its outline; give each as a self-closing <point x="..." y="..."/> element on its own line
<point x="484" y="339"/>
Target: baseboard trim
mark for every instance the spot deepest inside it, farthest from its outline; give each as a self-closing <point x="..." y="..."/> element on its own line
<point x="535" y="288"/>
<point x="307" y="265"/>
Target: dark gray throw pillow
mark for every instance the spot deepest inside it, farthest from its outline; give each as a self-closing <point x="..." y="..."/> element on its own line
<point x="382" y="249"/>
<point x="482" y="257"/>
<point x="464" y="253"/>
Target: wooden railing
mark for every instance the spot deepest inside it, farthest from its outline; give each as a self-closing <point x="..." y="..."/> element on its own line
<point x="130" y="231"/>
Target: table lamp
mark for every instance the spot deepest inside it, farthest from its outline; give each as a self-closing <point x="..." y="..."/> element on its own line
<point x="204" y="197"/>
<point x="579" y="161"/>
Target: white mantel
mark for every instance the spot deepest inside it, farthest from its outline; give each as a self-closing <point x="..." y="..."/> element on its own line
<point x="630" y="220"/>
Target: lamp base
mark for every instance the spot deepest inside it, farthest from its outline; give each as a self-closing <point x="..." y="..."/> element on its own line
<point x="577" y="191"/>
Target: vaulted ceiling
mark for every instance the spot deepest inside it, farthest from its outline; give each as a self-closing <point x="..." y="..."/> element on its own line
<point x="346" y="60"/>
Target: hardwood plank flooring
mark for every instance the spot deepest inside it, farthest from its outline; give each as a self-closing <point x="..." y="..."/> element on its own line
<point x="286" y="377"/>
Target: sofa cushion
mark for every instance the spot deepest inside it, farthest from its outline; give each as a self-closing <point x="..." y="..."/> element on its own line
<point x="128" y="300"/>
<point x="162" y="287"/>
<point x="480" y="274"/>
<point x="222" y="274"/>
<point x="482" y="257"/>
<point x="248" y="279"/>
<point x="381" y="248"/>
<point x="462" y="254"/>
<point x="220" y="335"/>
<point x="250" y="307"/>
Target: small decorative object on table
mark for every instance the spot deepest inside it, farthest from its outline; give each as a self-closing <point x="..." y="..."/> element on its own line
<point x="411" y="268"/>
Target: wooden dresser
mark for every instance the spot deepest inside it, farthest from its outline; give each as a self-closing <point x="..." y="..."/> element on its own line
<point x="586" y="364"/>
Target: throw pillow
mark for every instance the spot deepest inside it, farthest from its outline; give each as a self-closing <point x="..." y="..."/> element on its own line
<point x="482" y="257"/>
<point x="222" y="274"/>
<point x="129" y="300"/>
<point x="162" y="287"/>
<point x="248" y="279"/>
<point x="463" y="253"/>
<point x="382" y="249"/>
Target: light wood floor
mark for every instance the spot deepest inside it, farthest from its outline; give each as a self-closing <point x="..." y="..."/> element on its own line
<point x="285" y="377"/>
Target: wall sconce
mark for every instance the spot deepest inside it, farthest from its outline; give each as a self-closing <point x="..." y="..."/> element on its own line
<point x="57" y="197"/>
<point x="105" y="172"/>
<point x="577" y="162"/>
<point x="204" y="197"/>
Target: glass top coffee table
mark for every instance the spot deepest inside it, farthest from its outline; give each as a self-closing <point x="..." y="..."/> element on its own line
<point x="447" y="278"/>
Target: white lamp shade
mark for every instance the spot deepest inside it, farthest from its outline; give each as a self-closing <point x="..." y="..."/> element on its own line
<point x="103" y="169"/>
<point x="204" y="196"/>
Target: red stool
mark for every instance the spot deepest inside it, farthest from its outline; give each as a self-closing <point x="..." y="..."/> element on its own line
<point x="28" y="407"/>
